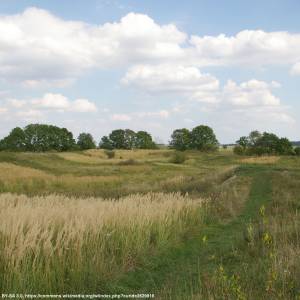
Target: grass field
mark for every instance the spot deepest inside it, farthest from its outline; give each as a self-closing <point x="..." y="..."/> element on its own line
<point x="217" y="226"/>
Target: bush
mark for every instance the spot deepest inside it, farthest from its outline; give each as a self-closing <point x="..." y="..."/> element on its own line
<point x="110" y="154"/>
<point x="239" y="150"/>
<point x="128" y="162"/>
<point x="178" y="158"/>
<point x="297" y="150"/>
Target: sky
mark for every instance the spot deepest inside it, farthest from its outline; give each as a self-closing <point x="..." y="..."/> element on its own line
<point x="98" y="65"/>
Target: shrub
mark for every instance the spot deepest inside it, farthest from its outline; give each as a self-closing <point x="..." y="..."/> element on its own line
<point x="128" y="162"/>
<point x="178" y="158"/>
<point x="239" y="150"/>
<point x="110" y="153"/>
<point x="297" y="150"/>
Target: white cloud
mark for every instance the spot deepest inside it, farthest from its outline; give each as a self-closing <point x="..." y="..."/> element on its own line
<point x="30" y="115"/>
<point x="121" y="117"/>
<point x="3" y="110"/>
<point x="62" y="103"/>
<point x="249" y="47"/>
<point x="83" y="105"/>
<point x="190" y="83"/>
<point x="163" y="114"/>
<point x="171" y="78"/>
<point x="52" y="101"/>
<point x="295" y="70"/>
<point x="250" y="93"/>
<point x="38" y="48"/>
<point x="16" y="103"/>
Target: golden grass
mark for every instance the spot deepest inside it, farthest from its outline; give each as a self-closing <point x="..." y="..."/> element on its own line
<point x="53" y="235"/>
<point x="88" y="159"/>
<point x="140" y="154"/>
<point x="260" y="160"/>
<point x="11" y="172"/>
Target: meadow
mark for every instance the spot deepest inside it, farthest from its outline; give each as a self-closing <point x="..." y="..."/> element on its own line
<point x="216" y="226"/>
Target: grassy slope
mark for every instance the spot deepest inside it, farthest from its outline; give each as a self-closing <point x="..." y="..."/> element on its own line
<point x="202" y="265"/>
<point x="218" y="261"/>
<point x="172" y="267"/>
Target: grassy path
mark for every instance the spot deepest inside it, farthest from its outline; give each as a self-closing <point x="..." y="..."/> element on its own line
<point x="170" y="270"/>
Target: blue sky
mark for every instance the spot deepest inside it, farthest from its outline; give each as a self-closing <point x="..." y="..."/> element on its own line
<point x="151" y="65"/>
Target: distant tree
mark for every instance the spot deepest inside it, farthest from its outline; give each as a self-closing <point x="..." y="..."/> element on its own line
<point x="203" y="138"/>
<point x="143" y="140"/>
<point x="243" y="142"/>
<point x="297" y="150"/>
<point x="105" y="143"/>
<point x="15" y="141"/>
<point x="181" y="139"/>
<point x="38" y="137"/>
<point x="284" y="147"/>
<point x="238" y="149"/>
<point x="129" y="139"/>
<point x="117" y="138"/>
<point x="85" y="141"/>
<point x="41" y="137"/>
<point x="253" y="137"/>
<point x="242" y="145"/>
<point x="266" y="143"/>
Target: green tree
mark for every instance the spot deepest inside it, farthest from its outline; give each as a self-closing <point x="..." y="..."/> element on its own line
<point x="203" y="138"/>
<point x="266" y="144"/>
<point x="297" y="150"/>
<point x="15" y="141"/>
<point x="129" y="139"/>
<point x="41" y="137"/>
<point x="284" y="147"/>
<point x="180" y="139"/>
<point x="143" y="140"/>
<point x="243" y="142"/>
<point x="117" y="138"/>
<point x="253" y="137"/>
<point x="85" y="141"/>
<point x="106" y="143"/>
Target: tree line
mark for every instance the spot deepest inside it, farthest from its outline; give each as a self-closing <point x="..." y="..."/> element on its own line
<point x="42" y="137"/>
<point x="257" y="143"/>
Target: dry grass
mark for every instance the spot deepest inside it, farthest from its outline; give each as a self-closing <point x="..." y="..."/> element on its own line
<point x="20" y="179"/>
<point x="65" y="241"/>
<point x="10" y="172"/>
<point x="260" y="160"/>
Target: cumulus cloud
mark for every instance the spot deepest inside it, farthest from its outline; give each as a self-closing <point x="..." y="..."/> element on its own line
<point x="250" y="47"/>
<point x="62" y="103"/>
<point x="121" y="117"/>
<point x="171" y="78"/>
<point x="190" y="82"/>
<point x="46" y="105"/>
<point x="163" y="114"/>
<point x="250" y="93"/>
<point x="295" y="70"/>
<point x="3" y="110"/>
<point x="30" y="115"/>
<point x="83" y="105"/>
<point x="37" y="47"/>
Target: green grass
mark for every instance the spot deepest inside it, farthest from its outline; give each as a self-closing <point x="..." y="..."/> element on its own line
<point x="247" y="245"/>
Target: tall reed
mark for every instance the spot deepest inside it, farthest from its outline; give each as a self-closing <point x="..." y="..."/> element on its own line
<point x="59" y="244"/>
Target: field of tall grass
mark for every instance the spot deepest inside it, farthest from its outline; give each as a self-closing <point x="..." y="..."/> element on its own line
<point x="62" y="245"/>
<point x="214" y="226"/>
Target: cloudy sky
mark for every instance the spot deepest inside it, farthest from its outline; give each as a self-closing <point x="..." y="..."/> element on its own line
<point x="99" y="65"/>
